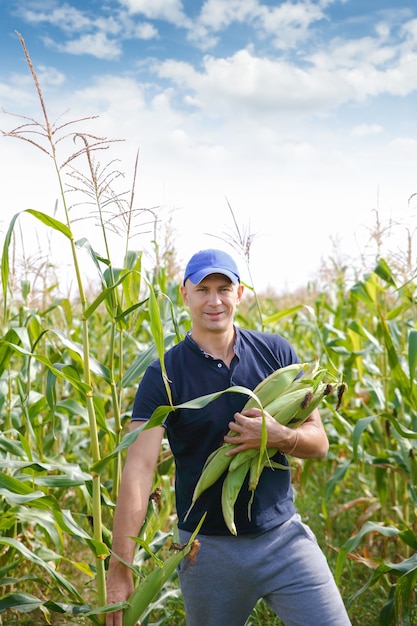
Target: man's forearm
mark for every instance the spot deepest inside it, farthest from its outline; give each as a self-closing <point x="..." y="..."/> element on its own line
<point x="306" y="441"/>
<point x="129" y="516"/>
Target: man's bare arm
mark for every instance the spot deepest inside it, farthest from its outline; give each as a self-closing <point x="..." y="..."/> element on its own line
<point x="131" y="507"/>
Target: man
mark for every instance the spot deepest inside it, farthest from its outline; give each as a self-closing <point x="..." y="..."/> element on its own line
<point x="274" y="556"/>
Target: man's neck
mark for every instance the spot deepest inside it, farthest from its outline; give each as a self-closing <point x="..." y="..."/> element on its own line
<point x="218" y="345"/>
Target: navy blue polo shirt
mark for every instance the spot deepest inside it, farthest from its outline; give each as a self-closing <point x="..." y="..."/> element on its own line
<point x="194" y="433"/>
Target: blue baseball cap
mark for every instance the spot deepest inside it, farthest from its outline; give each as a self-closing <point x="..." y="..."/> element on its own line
<point x="208" y="262"/>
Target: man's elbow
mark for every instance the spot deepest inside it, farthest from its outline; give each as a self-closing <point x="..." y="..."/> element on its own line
<point x="323" y="449"/>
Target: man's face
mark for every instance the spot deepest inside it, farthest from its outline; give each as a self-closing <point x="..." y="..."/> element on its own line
<point x="212" y="303"/>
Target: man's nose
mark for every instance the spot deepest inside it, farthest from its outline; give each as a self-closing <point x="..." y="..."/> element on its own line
<point x="214" y="297"/>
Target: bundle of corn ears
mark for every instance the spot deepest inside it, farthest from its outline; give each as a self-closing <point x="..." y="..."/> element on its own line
<point x="289" y="395"/>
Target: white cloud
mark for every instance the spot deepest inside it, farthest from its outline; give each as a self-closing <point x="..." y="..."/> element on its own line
<point x="116" y="94"/>
<point x="290" y="22"/>
<point x="66" y="17"/>
<point x="287" y="24"/>
<point x="97" y="45"/>
<point x="219" y="14"/>
<point x="14" y="92"/>
<point x="343" y="71"/>
<point x="410" y="29"/>
<point x="403" y="149"/>
<point x="145" y="31"/>
<point x="239" y="125"/>
<point x="87" y="32"/>
<point x="363" y="130"/>
<point x="350" y="54"/>
<point x="246" y="85"/>
<point x="18" y="94"/>
<point x="244" y="82"/>
<point x="169" y="10"/>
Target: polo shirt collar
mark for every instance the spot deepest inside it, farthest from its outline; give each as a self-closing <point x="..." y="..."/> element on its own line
<point x="189" y="341"/>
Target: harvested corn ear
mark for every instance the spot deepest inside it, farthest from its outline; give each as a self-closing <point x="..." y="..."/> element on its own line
<point x="289" y="395"/>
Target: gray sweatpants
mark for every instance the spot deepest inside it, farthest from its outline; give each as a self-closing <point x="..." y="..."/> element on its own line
<point x="285" y="566"/>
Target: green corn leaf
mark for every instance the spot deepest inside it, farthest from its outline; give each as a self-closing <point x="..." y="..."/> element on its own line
<point x="10" y="445"/>
<point x="23" y="602"/>
<point x="397" y="372"/>
<point x="13" y="336"/>
<point x="131" y="286"/>
<point x="60" y="481"/>
<point x="47" y="220"/>
<point x="50" y="390"/>
<point x="409" y="537"/>
<point x="5" y="267"/>
<point x="17" y="492"/>
<point x="71" y="469"/>
<point x="95" y="367"/>
<point x="127" y="441"/>
<point x="336" y="478"/>
<point x="148" y="588"/>
<point x="412" y="353"/>
<point x="83" y="243"/>
<point x="405" y="589"/>
<point x="67" y="523"/>
<point x="360" y="426"/>
<point x="34" y="558"/>
<point x="383" y="271"/>
<point x="139" y="365"/>
<point x="158" y="417"/>
<point x="147" y="548"/>
<point x="402" y="430"/>
<point x="35" y="498"/>
<point x="367" y="292"/>
<point x="105" y="293"/>
<point x="158" y="336"/>
<point x="64" y="373"/>
<point x="26" y="603"/>
<point x="44" y="520"/>
<point x="281" y="314"/>
<point x="353" y="542"/>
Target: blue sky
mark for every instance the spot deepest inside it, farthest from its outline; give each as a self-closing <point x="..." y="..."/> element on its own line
<point x="301" y="115"/>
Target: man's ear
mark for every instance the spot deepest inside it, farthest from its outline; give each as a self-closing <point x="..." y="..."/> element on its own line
<point x="183" y="290"/>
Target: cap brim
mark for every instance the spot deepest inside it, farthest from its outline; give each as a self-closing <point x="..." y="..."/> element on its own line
<point x="197" y="277"/>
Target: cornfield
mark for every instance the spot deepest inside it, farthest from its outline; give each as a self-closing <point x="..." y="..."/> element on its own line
<point x="69" y="368"/>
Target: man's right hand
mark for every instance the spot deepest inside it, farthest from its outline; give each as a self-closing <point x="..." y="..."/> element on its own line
<point x="119" y="587"/>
